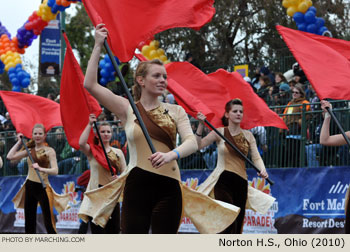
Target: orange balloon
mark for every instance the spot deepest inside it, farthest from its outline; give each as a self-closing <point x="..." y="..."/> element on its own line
<point x="65" y="3"/>
<point x="21" y="50"/>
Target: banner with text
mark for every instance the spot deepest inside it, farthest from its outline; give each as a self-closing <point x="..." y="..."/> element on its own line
<point x="308" y="200"/>
<point x="50" y="48"/>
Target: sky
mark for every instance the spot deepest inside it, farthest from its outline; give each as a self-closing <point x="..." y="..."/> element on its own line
<point x="13" y="14"/>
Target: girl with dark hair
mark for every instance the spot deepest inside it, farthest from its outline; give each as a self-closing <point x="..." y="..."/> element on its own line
<point x="32" y="191"/>
<point x="100" y="176"/>
<point x="228" y="182"/>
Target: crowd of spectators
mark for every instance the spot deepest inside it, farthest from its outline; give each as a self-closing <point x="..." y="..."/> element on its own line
<point x="290" y="95"/>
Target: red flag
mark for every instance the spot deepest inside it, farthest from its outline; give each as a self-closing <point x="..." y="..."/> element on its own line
<point x="26" y="110"/>
<point x="256" y="111"/>
<point x="130" y="22"/>
<point x="77" y="104"/>
<point x="325" y="61"/>
<point x="184" y="98"/>
<point x="216" y="89"/>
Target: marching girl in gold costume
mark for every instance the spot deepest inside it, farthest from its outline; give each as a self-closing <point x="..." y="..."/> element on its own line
<point x="228" y="182"/>
<point x="32" y="192"/>
<point x="153" y="195"/>
<point x="101" y="176"/>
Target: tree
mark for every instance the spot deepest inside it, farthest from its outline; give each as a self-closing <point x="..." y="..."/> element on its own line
<point x="79" y="31"/>
<point x="243" y="31"/>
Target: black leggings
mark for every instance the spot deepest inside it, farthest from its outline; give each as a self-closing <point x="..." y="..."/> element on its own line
<point x="232" y="189"/>
<point x="34" y="194"/>
<point x="151" y="200"/>
<point x="113" y="224"/>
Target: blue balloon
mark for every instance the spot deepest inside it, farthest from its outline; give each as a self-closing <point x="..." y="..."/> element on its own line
<point x="21" y="75"/>
<point x="25" y="82"/>
<point x="14" y="81"/>
<point x="313" y="9"/>
<point x="107" y="59"/>
<point x="311" y="28"/>
<point x="103" y="81"/>
<point x="16" y="88"/>
<point x="11" y="70"/>
<point x="51" y="2"/>
<point x="102" y="63"/>
<point x="310" y="17"/>
<point x="108" y="66"/>
<point x="321" y="30"/>
<point x="12" y="75"/>
<point x="319" y="22"/>
<point x="104" y="73"/>
<point x="298" y="17"/>
<point x="302" y="27"/>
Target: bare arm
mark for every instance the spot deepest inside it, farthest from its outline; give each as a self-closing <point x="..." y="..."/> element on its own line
<point x="325" y="138"/>
<point x="84" y="146"/>
<point x="14" y="154"/>
<point x="117" y="104"/>
<point x="209" y="139"/>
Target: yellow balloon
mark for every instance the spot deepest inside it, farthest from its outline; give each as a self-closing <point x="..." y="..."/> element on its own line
<point x="163" y="58"/>
<point x="152" y="47"/>
<point x="154" y="43"/>
<point x="145" y="50"/>
<point x="8" y="59"/>
<point x="18" y="61"/>
<point x="286" y="3"/>
<point x="160" y="51"/>
<point x="10" y="65"/>
<point x="2" y="57"/>
<point x="309" y="3"/>
<point x="153" y="54"/>
<point x="291" y="10"/>
<point x="302" y="7"/>
<point x="293" y="3"/>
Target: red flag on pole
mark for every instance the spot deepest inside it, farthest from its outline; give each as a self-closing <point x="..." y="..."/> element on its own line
<point x="130" y="22"/>
<point x="325" y="61"/>
<point x="216" y="89"/>
<point x="256" y="111"/>
<point x="77" y="104"/>
<point x="26" y="110"/>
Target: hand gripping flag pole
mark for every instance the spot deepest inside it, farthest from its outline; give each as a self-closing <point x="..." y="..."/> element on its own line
<point x="32" y="160"/>
<point x="236" y="149"/>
